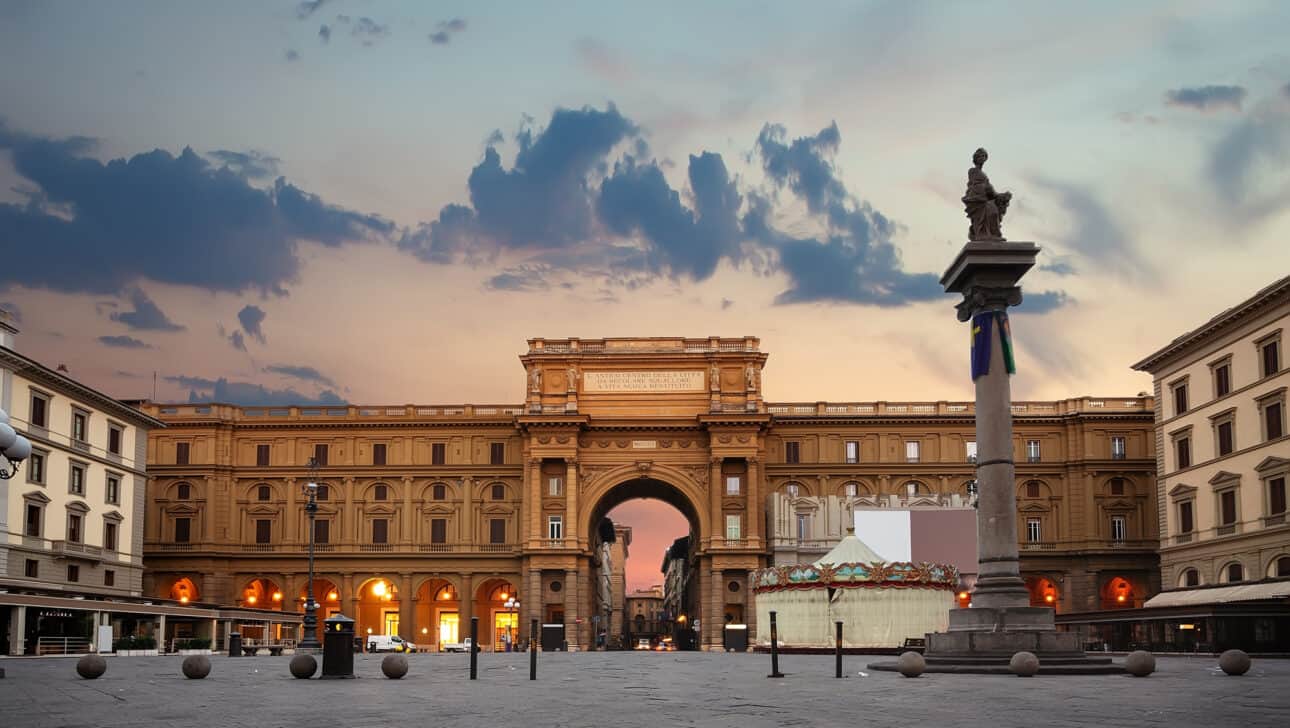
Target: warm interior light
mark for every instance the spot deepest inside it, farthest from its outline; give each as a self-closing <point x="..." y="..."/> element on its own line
<point x="250" y="599"/>
<point x="504" y="596"/>
<point x="378" y="589"/>
<point x="1120" y="598"/>
<point x="1048" y="598"/>
<point x="332" y="596"/>
<point x="425" y="630"/>
<point x="183" y="600"/>
<point x="277" y="596"/>
<point x="962" y="595"/>
<point x="681" y="619"/>
<point x="369" y="630"/>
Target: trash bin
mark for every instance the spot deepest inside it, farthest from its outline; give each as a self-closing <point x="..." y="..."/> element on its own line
<point x="338" y="647"/>
<point x="234" y="644"/>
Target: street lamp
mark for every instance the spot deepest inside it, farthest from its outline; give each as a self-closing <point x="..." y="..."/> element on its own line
<point x="513" y="604"/>
<point x="310" y="640"/>
<point x="13" y="446"/>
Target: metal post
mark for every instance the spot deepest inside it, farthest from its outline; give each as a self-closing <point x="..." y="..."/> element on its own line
<point x="837" y="649"/>
<point x="474" y="646"/>
<point x="533" y="649"/>
<point x="774" y="648"/>
<point x="309" y="640"/>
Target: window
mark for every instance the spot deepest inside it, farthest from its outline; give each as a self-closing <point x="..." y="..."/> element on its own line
<point x="181" y="453"/>
<point x="1033" y="532"/>
<point x="1277" y="496"/>
<point x="183" y="530"/>
<point x="35" y="517"/>
<point x="554" y="527"/>
<point x="322" y="531"/>
<point x="1222" y="379"/>
<point x="853" y="451"/>
<point x="114" y="439"/>
<point x="803" y="527"/>
<point x="109" y="577"/>
<point x="555" y="485"/>
<point x="1117" y="528"/>
<point x="732" y="485"/>
<point x="911" y="451"/>
<point x="970" y="446"/>
<point x="112" y="490"/>
<point x="1223" y="433"/>
<point x="1117" y="448"/>
<point x="1117" y="486"/>
<point x="262" y="453"/>
<point x="1235" y="573"/>
<point x="1032" y="451"/>
<point x="439" y="530"/>
<point x="792" y="489"/>
<point x="1182" y="452"/>
<point x="1270" y="356"/>
<point x="380" y="492"/>
<point x="320" y="454"/>
<point x="1180" y="398"/>
<point x="378" y="453"/>
<point x="497" y="530"/>
<point x="497" y="453"/>
<point x="1227" y="509"/>
<point x="1191" y="577"/>
<point x="73" y="572"/>
<point x="76" y="479"/>
<point x="183" y="491"/>
<point x="33" y="569"/>
<point x="438" y="453"/>
<point x="264" y="493"/>
<point x="439" y="492"/>
<point x="1186" y="519"/>
<point x="380" y="530"/>
<point x="792" y="452"/>
<point x="74" y="531"/>
<point x="498" y="491"/>
<point x="1272" y="414"/>
<point x="39" y="416"/>
<point x="263" y="530"/>
<point x="1283" y="566"/>
<point x="80" y="426"/>
<point x="36" y="467"/>
<point x="732" y="527"/>
<point x="323" y="493"/>
<point x="850" y="490"/>
<point x="1032" y="489"/>
<point x="109" y="536"/>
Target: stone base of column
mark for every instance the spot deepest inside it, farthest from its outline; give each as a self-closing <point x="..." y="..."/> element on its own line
<point x="1005" y="619"/>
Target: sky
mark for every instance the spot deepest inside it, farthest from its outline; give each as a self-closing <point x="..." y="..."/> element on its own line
<point x="379" y="202"/>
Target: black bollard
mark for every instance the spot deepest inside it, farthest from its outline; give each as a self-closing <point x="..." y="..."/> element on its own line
<point x="474" y="646"/>
<point x="837" y="648"/>
<point x="774" y="649"/>
<point x="533" y="648"/>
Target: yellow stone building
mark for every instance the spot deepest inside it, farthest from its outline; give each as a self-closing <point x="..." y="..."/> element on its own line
<point x="432" y="515"/>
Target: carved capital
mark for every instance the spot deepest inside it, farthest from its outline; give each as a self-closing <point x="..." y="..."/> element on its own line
<point x="987" y="298"/>
<point x="644" y="466"/>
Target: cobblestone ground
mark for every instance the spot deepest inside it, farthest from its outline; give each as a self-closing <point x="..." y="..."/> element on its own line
<point x="629" y="689"/>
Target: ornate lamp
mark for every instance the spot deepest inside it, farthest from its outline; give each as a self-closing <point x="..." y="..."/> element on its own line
<point x="13" y="446"/>
<point x="310" y="639"/>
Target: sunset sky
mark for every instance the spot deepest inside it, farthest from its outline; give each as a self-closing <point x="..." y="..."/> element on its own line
<point x="378" y="202"/>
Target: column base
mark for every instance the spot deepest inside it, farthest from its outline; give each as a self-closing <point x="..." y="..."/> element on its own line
<point x="1002" y="619"/>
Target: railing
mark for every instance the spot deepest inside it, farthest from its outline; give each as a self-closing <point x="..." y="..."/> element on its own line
<point x="259" y="547"/>
<point x="62" y="645"/>
<point x="497" y="548"/>
<point x="731" y="543"/>
<point x="177" y="547"/>
<point x="552" y="543"/>
<point x="376" y="547"/>
<point x="1060" y="407"/>
<point x="437" y="548"/>
<point x="1183" y="538"/>
<point x="1274" y="520"/>
<point x="72" y="547"/>
<point x="1227" y="530"/>
<point x="1039" y="546"/>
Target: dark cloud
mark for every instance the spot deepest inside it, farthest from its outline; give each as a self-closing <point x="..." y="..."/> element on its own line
<point x="803" y="164"/>
<point x="1093" y="231"/>
<point x="455" y="25"/>
<point x="308" y="8"/>
<point x="1285" y="90"/>
<point x="221" y="390"/>
<point x="445" y="29"/>
<point x="123" y="342"/>
<point x="1255" y="150"/>
<point x="292" y="55"/>
<point x="440" y="37"/>
<point x="146" y="316"/>
<point x="524" y="278"/>
<point x="494" y="138"/>
<point x="324" y="32"/>
<point x="12" y="309"/>
<point x="1059" y="267"/>
<point x="726" y="303"/>
<point x="92" y="227"/>
<point x="250" y="164"/>
<point x="1207" y="98"/>
<point x="237" y="340"/>
<point x="251" y="318"/>
<point x="304" y="373"/>
<point x="1041" y="302"/>
<point x="368" y="31"/>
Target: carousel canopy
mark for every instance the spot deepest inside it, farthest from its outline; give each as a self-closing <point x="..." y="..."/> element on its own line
<point x="850" y="550"/>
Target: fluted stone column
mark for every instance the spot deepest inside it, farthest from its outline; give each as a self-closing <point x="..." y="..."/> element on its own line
<point x="571" y="607"/>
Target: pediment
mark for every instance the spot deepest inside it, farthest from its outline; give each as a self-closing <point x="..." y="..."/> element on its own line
<point x="381" y="510"/>
<point x="36" y="496"/>
<point x="78" y="506"/>
<point x="439" y="509"/>
<point x="552" y="505"/>
<point x="733" y="505"/>
<point x="113" y="516"/>
<point x="263" y="510"/>
<point x="184" y="509"/>
<point x="1181" y="490"/>
<point x="497" y="509"/>
<point x="1118" y="504"/>
<point x="1271" y="463"/>
<point x="926" y="502"/>
<point x="1035" y="508"/>
<point x="805" y="505"/>
<point x="1223" y="476"/>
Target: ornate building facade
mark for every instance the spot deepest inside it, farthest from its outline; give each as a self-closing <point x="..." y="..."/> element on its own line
<point x="432" y="515"/>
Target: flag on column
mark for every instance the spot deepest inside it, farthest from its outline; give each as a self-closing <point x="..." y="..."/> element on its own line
<point x="981" y="324"/>
<point x="1005" y="342"/>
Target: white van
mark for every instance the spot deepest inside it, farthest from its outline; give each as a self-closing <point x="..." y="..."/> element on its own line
<point x="388" y="643"/>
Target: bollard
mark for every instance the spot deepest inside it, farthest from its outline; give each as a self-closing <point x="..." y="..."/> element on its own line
<point x="774" y="648"/>
<point x="533" y="648"/>
<point x="474" y="646"/>
<point x="837" y="649"/>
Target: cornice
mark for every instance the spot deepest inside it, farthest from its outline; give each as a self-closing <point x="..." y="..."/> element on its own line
<point x="68" y="386"/>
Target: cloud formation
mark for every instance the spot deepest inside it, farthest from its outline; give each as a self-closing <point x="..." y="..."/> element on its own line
<point x="202" y="390"/>
<point x="292" y="55"/>
<point x="303" y="373"/>
<point x="368" y="31"/>
<point x="1207" y="98"/>
<point x="308" y="8"/>
<point x="445" y="29"/>
<point x="250" y="164"/>
<point x="146" y="316"/>
<point x="251" y="318"/>
<point x="237" y="340"/>
<point x="94" y="227"/>
<point x="123" y="342"/>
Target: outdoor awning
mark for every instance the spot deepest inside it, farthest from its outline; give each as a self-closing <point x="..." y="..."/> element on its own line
<point x="1220" y="595"/>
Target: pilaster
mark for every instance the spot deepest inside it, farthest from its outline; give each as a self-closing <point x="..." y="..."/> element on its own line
<point x="572" y="534"/>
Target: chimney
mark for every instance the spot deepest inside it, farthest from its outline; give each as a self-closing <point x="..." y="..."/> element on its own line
<point x="8" y="331"/>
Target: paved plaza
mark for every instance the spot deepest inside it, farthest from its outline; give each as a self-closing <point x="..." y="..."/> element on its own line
<point x="628" y="689"/>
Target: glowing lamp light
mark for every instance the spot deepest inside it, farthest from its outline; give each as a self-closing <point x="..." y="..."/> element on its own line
<point x="369" y="630"/>
<point x="681" y="619"/>
<point x="1048" y="598"/>
<point x="504" y="596"/>
<point x="277" y="596"/>
<point x="425" y="630"/>
<point x="1120" y="598"/>
<point x="962" y="595"/>
<point x="378" y="589"/>
<point x="183" y="599"/>
<point x="332" y="596"/>
<point x="250" y="599"/>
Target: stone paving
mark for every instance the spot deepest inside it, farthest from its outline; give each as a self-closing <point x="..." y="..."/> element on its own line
<point x="629" y="689"/>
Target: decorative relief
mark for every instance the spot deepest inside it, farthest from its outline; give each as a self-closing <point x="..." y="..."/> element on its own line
<point x="698" y="473"/>
<point x="723" y="439"/>
<point x="621" y="443"/>
<point x="743" y="439"/>
<point x="685" y="443"/>
<point x="602" y="443"/>
<point x="644" y="466"/>
<point x="563" y="440"/>
<point x="543" y="440"/>
<point x="665" y="443"/>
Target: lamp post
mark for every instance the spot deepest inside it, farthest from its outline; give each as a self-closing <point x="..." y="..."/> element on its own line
<point x="13" y="446"/>
<point x="513" y="605"/>
<point x="310" y="639"/>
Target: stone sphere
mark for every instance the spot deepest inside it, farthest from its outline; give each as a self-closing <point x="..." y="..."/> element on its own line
<point x="911" y="664"/>
<point x="1024" y="664"/>
<point x="395" y="666"/>
<point x="303" y="666"/>
<point x="196" y="667"/>
<point x="1234" y="662"/>
<point x="91" y="666"/>
<point x="1140" y="663"/>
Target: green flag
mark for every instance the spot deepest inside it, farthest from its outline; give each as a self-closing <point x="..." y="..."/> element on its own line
<point x="1005" y="341"/>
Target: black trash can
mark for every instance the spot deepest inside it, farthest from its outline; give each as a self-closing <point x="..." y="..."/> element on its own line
<point x="234" y="644"/>
<point x="338" y="647"/>
<point x="735" y="637"/>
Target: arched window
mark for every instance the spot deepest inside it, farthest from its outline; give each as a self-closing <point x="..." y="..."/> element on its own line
<point x="1189" y="577"/>
<point x="851" y="490"/>
<point x="1032" y="489"/>
<point x="913" y="488"/>
<point x="183" y="491"/>
<point x="439" y="492"/>
<point x="499" y="491"/>
<point x="1283" y="566"/>
<point x="380" y="492"/>
<point x="1117" y="486"/>
<point x="1234" y="572"/>
<point x="324" y="492"/>
<point x="264" y="493"/>
<point x="792" y="489"/>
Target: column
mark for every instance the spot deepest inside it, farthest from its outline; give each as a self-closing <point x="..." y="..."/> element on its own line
<point x="466" y="598"/>
<point x="161" y="633"/>
<point x="755" y="505"/>
<point x="347" y="596"/>
<point x="533" y="499"/>
<point x="407" y="608"/>
<point x="469" y="512"/>
<point x="571" y="531"/>
<point x="716" y="609"/>
<point x="715" y="489"/>
<point x="94" y="635"/>
<point x="408" y="528"/>
<point x="750" y="611"/>
<point x="532" y="600"/>
<point x="291" y="525"/>
<point x="571" y="607"/>
<point x="350" y="529"/>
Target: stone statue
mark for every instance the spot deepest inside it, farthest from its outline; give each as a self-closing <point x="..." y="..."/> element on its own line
<point x="750" y="377"/>
<point x="535" y="380"/>
<point x="984" y="207"/>
<point x="571" y="374"/>
<point x="714" y="378"/>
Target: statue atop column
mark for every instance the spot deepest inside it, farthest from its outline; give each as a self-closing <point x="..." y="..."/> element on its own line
<point x="985" y="207"/>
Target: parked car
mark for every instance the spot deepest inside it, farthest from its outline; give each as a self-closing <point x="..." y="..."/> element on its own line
<point x="463" y="646"/>
<point x="388" y="643"/>
<point x="642" y="643"/>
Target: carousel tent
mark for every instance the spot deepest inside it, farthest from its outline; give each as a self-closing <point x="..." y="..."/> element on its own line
<point x="880" y="603"/>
